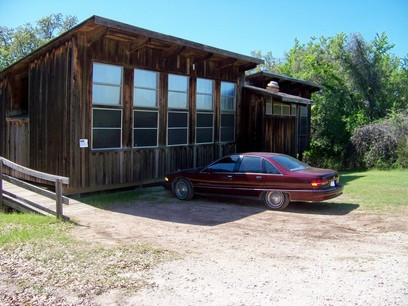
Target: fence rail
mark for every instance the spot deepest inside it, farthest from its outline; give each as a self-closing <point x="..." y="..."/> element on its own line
<point x="57" y="180"/>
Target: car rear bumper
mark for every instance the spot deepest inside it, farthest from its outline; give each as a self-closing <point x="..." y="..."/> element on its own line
<point x="316" y="194"/>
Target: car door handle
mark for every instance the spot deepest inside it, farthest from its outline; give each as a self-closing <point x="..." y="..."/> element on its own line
<point x="258" y="178"/>
<point x="229" y="177"/>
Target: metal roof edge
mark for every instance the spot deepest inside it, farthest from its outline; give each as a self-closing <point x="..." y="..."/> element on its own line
<point x="283" y="96"/>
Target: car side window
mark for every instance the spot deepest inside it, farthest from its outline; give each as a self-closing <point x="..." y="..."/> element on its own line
<point x="226" y="164"/>
<point x="271" y="169"/>
<point x="251" y="164"/>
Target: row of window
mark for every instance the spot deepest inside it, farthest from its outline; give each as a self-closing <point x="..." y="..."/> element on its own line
<point x="107" y="115"/>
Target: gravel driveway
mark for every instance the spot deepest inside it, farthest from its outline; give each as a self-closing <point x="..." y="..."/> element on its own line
<point x="237" y="253"/>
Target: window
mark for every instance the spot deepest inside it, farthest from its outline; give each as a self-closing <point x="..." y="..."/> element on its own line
<point x="304" y="126"/>
<point x="205" y="111"/>
<point x="226" y="164"/>
<point x="177" y="117"/>
<point x="251" y="164"/>
<point x="107" y="85"/>
<point x="268" y="106"/>
<point x="178" y="91"/>
<point x="145" y="113"/>
<point x="107" y="128"/>
<point x="227" y="112"/>
<point x="293" y="110"/>
<point x="145" y="88"/>
<point x="281" y="109"/>
<point x="270" y="169"/>
<point x="145" y="128"/>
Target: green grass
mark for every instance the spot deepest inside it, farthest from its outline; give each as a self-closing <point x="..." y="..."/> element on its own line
<point x="152" y="195"/>
<point x="376" y="190"/>
<point x="21" y="228"/>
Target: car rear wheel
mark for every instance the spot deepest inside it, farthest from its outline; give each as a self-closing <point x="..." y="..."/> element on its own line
<point x="276" y="200"/>
<point x="183" y="189"/>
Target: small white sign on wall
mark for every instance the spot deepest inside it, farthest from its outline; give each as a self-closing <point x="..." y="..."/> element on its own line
<point x="83" y="143"/>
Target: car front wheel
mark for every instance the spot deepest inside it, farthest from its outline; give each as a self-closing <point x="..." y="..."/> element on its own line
<point x="183" y="189"/>
<point x="276" y="200"/>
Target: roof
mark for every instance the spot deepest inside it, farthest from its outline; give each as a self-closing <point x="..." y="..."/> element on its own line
<point x="97" y="27"/>
<point x="262" y="78"/>
<point x="284" y="97"/>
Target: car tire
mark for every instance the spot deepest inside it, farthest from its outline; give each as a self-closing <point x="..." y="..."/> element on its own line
<point x="183" y="189"/>
<point x="276" y="200"/>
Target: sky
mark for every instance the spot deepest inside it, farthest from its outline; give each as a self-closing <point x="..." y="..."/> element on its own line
<point x="239" y="26"/>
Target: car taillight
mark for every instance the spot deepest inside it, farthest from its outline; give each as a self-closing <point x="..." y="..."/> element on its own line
<point x="319" y="183"/>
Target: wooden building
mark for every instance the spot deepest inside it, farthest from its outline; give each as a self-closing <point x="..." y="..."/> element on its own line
<point x="111" y="105"/>
<point x="276" y="113"/>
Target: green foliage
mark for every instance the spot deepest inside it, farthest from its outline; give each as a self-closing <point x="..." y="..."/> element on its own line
<point x="21" y="41"/>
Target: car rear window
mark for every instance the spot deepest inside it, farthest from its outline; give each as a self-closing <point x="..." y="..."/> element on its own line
<point x="289" y="163"/>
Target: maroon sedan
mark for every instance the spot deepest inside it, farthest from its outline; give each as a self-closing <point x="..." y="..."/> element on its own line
<point x="276" y="178"/>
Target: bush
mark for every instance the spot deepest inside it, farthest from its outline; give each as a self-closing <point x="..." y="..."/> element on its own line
<point x="402" y="152"/>
<point x="375" y="145"/>
<point x="381" y="145"/>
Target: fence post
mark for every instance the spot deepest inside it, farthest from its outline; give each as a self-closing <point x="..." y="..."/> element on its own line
<point x="58" y="201"/>
<point x="1" y="183"/>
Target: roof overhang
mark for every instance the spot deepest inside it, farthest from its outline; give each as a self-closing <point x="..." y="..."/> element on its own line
<point x="96" y="27"/>
<point x="264" y="77"/>
<point x="281" y="96"/>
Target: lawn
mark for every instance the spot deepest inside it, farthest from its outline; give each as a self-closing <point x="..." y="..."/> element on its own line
<point x="376" y="190"/>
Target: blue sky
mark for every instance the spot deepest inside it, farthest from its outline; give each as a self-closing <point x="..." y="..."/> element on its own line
<point x="234" y="25"/>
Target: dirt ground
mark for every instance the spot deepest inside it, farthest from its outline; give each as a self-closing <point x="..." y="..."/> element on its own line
<point x="238" y="253"/>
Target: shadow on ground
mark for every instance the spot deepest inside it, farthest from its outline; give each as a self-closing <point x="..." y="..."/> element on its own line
<point x="215" y="210"/>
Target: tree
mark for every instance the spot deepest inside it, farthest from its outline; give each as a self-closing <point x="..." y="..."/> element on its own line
<point x="21" y="41"/>
<point x="363" y="82"/>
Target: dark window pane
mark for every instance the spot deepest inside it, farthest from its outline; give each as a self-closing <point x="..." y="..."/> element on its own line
<point x="177" y="119"/>
<point x="144" y="119"/>
<point x="177" y="136"/>
<point x="224" y="165"/>
<point x="227" y="120"/>
<point x="227" y="134"/>
<point x="204" y="135"/>
<point x="303" y="126"/>
<point x="269" y="168"/>
<point x="204" y="120"/>
<point x="107" y="118"/>
<point x="251" y="165"/>
<point x="106" y="138"/>
<point x="145" y="138"/>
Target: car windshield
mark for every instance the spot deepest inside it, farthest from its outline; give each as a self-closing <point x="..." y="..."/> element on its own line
<point x="289" y="163"/>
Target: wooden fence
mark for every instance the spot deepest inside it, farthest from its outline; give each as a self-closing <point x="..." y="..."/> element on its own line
<point x="57" y="180"/>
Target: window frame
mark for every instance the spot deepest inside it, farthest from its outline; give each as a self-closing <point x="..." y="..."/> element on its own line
<point x="174" y="109"/>
<point x="205" y="111"/>
<point x="107" y="106"/>
<point x="107" y="128"/>
<point x="228" y="112"/>
<point x="146" y="108"/>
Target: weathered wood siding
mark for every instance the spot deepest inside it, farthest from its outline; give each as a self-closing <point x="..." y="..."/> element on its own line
<point x="268" y="133"/>
<point x="17" y="141"/>
<point x="3" y="102"/>
<point x="128" y="166"/>
<point x="57" y="101"/>
<point x="49" y="90"/>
